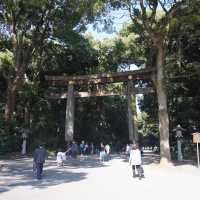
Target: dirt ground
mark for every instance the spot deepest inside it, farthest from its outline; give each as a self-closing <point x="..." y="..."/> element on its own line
<point x="88" y="179"/>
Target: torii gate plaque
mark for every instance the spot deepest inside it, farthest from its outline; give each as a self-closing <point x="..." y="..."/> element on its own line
<point x="70" y="81"/>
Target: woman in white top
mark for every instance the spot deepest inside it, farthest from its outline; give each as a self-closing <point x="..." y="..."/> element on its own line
<point x="61" y="156"/>
<point x="135" y="160"/>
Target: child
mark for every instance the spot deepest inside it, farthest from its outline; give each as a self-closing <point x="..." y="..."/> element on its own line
<point x="135" y="160"/>
<point x="61" y="156"/>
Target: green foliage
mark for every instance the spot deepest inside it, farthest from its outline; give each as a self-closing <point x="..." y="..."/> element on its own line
<point x="102" y="119"/>
<point x="9" y="143"/>
<point x="59" y="48"/>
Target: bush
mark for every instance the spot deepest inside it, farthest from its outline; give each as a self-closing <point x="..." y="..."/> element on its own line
<point x="9" y="143"/>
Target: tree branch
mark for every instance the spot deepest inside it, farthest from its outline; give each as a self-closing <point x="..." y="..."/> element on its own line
<point x="163" y="6"/>
<point x="153" y="6"/>
<point x="171" y="12"/>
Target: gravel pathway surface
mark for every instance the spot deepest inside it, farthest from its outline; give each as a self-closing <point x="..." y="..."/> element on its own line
<point x="87" y="179"/>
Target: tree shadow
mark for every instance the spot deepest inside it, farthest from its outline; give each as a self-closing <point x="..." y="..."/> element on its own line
<point x="51" y="177"/>
<point x="147" y="158"/>
<point x="3" y="190"/>
<point x="153" y="158"/>
<point x="23" y="176"/>
<point x="84" y="162"/>
<point x="177" y="163"/>
<point x="20" y="173"/>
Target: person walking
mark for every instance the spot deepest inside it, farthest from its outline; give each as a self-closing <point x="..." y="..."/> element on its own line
<point x="92" y="149"/>
<point x="102" y="153"/>
<point x="74" y="149"/>
<point x="60" y="158"/>
<point x="128" y="148"/>
<point x="82" y="147"/>
<point x="107" y="151"/>
<point x="39" y="156"/>
<point x="135" y="160"/>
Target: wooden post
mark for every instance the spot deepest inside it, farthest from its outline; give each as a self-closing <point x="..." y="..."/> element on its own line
<point x="132" y="115"/>
<point x="196" y="139"/>
<point x="197" y="154"/>
<point x="69" y="118"/>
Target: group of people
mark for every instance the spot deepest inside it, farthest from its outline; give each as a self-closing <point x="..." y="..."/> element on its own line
<point x="40" y="154"/>
<point x="84" y="149"/>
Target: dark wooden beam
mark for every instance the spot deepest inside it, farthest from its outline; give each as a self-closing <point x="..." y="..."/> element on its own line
<point x="63" y="95"/>
<point x="100" y="78"/>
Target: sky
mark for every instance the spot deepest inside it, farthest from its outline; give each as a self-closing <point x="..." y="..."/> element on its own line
<point x="119" y="18"/>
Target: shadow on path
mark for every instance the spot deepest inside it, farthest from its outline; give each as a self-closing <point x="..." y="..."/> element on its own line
<point x="51" y="177"/>
<point x="23" y="176"/>
<point x="19" y="172"/>
<point x="152" y="158"/>
<point x="147" y="158"/>
<point x="84" y="162"/>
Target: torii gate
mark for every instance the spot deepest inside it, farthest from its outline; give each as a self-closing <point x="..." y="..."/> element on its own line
<point x="96" y="79"/>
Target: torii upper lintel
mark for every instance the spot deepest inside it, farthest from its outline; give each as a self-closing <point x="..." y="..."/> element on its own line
<point x="63" y="80"/>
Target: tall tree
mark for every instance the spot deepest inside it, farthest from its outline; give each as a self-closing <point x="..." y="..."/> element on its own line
<point x="152" y="19"/>
<point x="29" y="26"/>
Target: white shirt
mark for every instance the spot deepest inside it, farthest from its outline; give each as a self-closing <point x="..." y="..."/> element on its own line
<point x="60" y="157"/>
<point x="127" y="149"/>
<point x="135" y="157"/>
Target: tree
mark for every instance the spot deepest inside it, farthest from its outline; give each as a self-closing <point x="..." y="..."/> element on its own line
<point x="182" y="69"/>
<point x="28" y="27"/>
<point x="152" y="19"/>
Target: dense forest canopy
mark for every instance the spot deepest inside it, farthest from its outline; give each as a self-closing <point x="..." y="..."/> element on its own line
<point x="39" y="38"/>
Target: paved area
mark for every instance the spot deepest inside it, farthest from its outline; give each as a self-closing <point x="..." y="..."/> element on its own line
<point x="90" y="180"/>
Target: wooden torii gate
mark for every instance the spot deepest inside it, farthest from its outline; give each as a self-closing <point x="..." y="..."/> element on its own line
<point x="99" y="80"/>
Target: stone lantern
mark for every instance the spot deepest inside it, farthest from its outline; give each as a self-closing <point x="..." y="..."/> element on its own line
<point x="24" y="132"/>
<point x="178" y="131"/>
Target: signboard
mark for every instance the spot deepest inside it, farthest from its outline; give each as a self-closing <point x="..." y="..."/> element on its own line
<point x="196" y="137"/>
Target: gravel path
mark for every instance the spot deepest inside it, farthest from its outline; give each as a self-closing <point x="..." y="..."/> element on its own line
<point x="90" y="180"/>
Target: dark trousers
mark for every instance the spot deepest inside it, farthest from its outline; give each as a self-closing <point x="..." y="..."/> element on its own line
<point x="39" y="170"/>
<point x="139" y="170"/>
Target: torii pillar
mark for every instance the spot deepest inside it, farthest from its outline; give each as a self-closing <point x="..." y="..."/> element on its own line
<point x="69" y="117"/>
<point x="132" y="115"/>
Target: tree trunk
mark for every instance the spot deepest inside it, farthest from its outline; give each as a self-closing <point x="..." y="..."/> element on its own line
<point x="27" y="115"/>
<point x="22" y="57"/>
<point x="132" y="114"/>
<point x="10" y="104"/>
<point x="162" y="107"/>
<point x="69" y="118"/>
<point x="13" y="87"/>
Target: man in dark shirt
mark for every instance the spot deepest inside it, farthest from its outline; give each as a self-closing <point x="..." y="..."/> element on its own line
<point x="39" y="156"/>
<point x="74" y="149"/>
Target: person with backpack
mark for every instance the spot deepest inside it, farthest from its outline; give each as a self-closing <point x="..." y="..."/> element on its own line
<point x="39" y="156"/>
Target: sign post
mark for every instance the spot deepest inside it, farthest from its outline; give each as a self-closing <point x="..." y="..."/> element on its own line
<point x="196" y="139"/>
<point x="197" y="154"/>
